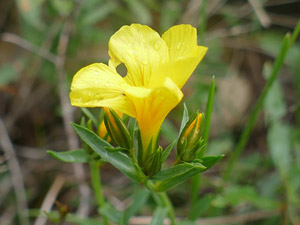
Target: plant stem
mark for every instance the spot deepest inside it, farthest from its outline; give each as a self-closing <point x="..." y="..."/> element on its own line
<point x="163" y="200"/>
<point x="97" y="186"/>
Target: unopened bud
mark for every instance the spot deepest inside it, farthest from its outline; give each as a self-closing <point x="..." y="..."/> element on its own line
<point x="153" y="163"/>
<point x="103" y="132"/>
<point x="190" y="141"/>
<point x="117" y="130"/>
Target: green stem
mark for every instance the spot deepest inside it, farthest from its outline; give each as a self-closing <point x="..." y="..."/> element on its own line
<point x="164" y="201"/>
<point x="97" y="186"/>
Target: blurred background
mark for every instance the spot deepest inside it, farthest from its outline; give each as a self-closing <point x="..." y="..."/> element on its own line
<point x="44" y="42"/>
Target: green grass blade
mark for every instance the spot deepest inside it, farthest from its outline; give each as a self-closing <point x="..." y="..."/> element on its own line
<point x="295" y="33"/>
<point x="254" y="114"/>
<point x="196" y="179"/>
<point x="208" y="113"/>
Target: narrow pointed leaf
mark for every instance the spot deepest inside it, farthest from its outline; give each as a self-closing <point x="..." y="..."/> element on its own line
<point x="74" y="156"/>
<point x="185" y="118"/>
<point x="209" y="161"/>
<point x="177" y="174"/>
<point x="167" y="151"/>
<point x="117" y="159"/>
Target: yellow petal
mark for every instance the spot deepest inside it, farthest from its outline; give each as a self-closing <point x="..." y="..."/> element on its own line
<point x="152" y="107"/>
<point x="141" y="49"/>
<point x="184" y="53"/>
<point x="98" y="85"/>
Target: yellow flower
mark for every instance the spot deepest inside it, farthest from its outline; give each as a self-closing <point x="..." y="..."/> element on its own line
<point x="157" y="68"/>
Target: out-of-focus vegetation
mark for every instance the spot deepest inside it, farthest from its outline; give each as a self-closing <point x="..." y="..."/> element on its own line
<point x="43" y="43"/>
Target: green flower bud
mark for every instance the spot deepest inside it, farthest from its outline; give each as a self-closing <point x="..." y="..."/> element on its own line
<point x="117" y="130"/>
<point x="190" y="140"/>
<point x="153" y="163"/>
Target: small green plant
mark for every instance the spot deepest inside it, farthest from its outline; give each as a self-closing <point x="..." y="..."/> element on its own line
<point x="157" y="68"/>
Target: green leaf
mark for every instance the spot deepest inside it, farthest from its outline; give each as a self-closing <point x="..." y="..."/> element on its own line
<point x="209" y="161"/>
<point x="74" y="156"/>
<point x="111" y="213"/>
<point x="167" y="152"/>
<point x="117" y="159"/>
<point x="159" y="215"/>
<point x="139" y="199"/>
<point x="177" y="174"/>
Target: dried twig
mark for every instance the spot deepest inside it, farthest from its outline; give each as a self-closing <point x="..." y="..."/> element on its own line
<point x="20" y="105"/>
<point x="49" y="199"/>
<point x="260" y="12"/>
<point x="42" y="52"/>
<point x="16" y="174"/>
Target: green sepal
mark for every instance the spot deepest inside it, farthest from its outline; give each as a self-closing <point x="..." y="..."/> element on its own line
<point x="167" y="152"/>
<point x="185" y="118"/>
<point x="181" y="138"/>
<point x="118" y="159"/>
<point x="153" y="163"/>
<point x="74" y="156"/>
<point x="132" y="128"/>
<point x="188" y="155"/>
<point x="190" y="141"/>
<point x="89" y="124"/>
<point x="117" y="130"/>
<point x="170" y="177"/>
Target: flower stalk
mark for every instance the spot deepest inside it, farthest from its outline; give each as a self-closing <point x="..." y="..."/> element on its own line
<point x="97" y="187"/>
